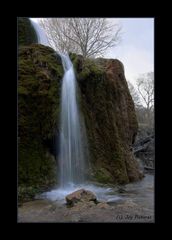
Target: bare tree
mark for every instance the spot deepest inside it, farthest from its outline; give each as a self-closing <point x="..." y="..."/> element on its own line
<point x="134" y="94"/>
<point x="87" y="36"/>
<point x="145" y="87"/>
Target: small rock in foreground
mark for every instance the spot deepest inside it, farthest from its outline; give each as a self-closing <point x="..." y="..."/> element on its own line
<point x="80" y="195"/>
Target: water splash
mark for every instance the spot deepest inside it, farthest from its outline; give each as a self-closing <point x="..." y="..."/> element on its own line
<point x="106" y="194"/>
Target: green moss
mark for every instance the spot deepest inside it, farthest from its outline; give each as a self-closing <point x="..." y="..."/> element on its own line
<point x="90" y="70"/>
<point x="35" y="167"/>
<point x="39" y="83"/>
<point x="26" y="32"/>
<point x="27" y="193"/>
<point x="103" y="176"/>
<point x="39" y="90"/>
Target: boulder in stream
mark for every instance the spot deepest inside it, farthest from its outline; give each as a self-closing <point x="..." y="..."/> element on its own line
<point x="80" y="195"/>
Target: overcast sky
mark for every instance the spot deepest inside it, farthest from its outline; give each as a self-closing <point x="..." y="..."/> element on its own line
<point x="136" y="49"/>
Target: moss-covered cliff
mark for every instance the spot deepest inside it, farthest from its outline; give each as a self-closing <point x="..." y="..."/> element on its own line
<point x="110" y="119"/>
<point x="39" y="79"/>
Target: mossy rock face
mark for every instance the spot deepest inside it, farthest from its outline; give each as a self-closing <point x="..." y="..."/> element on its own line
<point x="110" y="119"/>
<point x="39" y="82"/>
<point x="26" y="32"/>
<point x="103" y="176"/>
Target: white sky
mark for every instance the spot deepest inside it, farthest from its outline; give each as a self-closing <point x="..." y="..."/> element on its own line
<point x="136" y="50"/>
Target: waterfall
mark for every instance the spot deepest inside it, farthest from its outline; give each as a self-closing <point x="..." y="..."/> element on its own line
<point x="42" y="38"/>
<point x="73" y="153"/>
<point x="71" y="160"/>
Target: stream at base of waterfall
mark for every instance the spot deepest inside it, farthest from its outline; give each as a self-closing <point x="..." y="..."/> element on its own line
<point x="132" y="202"/>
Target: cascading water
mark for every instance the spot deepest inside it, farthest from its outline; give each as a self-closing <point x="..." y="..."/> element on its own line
<point x="42" y="39"/>
<point x="71" y="159"/>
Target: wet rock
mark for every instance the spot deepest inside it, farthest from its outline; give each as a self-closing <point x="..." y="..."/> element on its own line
<point x="103" y="205"/>
<point x="81" y="195"/>
<point x="144" y="151"/>
<point x="82" y="206"/>
<point x="121" y="190"/>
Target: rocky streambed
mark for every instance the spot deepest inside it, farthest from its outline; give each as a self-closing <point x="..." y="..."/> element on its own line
<point x="132" y="202"/>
